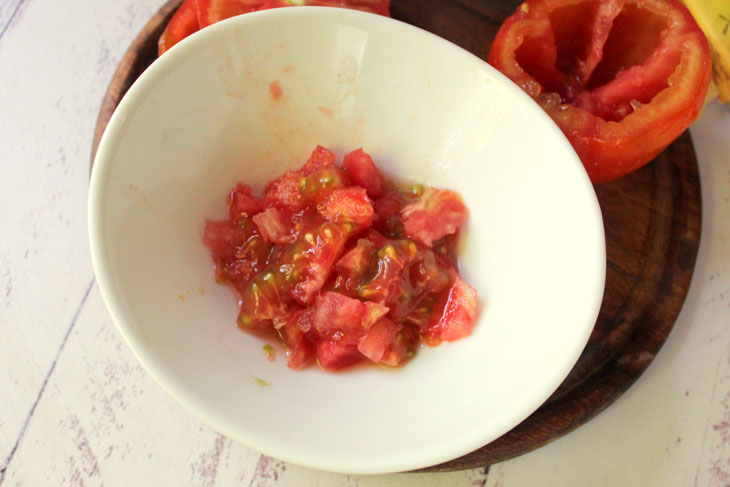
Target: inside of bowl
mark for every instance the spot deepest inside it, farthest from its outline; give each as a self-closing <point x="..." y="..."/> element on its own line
<point x="208" y="114"/>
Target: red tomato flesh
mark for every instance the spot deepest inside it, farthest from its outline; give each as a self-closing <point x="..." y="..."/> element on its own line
<point x="621" y="78"/>
<point x="193" y="15"/>
<point x="183" y="23"/>
<point x="306" y="262"/>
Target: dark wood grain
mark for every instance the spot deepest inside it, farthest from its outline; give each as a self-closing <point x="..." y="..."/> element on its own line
<point x="652" y="220"/>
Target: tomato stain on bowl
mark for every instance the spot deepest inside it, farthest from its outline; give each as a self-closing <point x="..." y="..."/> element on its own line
<point x="326" y="111"/>
<point x="344" y="266"/>
<point x="275" y="90"/>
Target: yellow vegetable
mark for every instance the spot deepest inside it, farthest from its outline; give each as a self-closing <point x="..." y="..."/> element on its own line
<point x="713" y="17"/>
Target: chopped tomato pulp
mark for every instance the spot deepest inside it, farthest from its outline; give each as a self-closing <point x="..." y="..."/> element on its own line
<point x="621" y="78"/>
<point x="339" y="276"/>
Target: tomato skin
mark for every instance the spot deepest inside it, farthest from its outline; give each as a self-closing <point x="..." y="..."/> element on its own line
<point x="619" y="105"/>
<point x="183" y="23"/>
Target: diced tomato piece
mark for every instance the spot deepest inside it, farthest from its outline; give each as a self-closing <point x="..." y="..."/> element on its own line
<point x="385" y="285"/>
<point x="300" y="350"/>
<point x="183" y="23"/>
<point x="248" y="260"/>
<point x="222" y="238"/>
<point x="241" y="203"/>
<point x="333" y="356"/>
<point x="425" y="276"/>
<point x="361" y="170"/>
<point x="311" y="182"/>
<point x="348" y="206"/>
<point x="263" y="300"/>
<point x="275" y="225"/>
<point x="457" y="318"/>
<point x="343" y="319"/>
<point x="377" y="238"/>
<point x="284" y="191"/>
<point x="378" y="338"/>
<point x="402" y="347"/>
<point x="356" y="261"/>
<point x="436" y="213"/>
<point x="316" y="255"/>
<point x="320" y="158"/>
<point x="387" y="213"/>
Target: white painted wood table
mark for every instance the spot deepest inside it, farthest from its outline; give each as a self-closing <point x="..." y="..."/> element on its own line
<point x="77" y="409"/>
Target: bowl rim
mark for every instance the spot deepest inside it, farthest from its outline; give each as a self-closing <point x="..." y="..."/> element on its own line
<point x="100" y="258"/>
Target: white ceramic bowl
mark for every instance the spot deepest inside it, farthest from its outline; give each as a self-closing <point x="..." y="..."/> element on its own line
<point x="202" y="117"/>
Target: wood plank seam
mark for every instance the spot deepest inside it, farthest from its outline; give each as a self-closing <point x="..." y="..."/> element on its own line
<point x="2" y="32"/>
<point x="75" y="318"/>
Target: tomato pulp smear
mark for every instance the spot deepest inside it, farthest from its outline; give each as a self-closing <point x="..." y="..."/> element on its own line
<point x="344" y="265"/>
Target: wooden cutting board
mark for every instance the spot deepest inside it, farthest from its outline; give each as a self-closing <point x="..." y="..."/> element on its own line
<point x="652" y="220"/>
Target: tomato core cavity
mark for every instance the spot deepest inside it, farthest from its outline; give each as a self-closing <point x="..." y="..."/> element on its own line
<point x="621" y="78"/>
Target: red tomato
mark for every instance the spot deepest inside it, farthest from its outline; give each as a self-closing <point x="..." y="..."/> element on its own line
<point x="361" y="170"/>
<point x="193" y="15"/>
<point x="275" y="226"/>
<point x="333" y="356"/>
<point x="300" y="350"/>
<point x="348" y="206"/>
<point x="621" y="78"/>
<point x="294" y="189"/>
<point x="343" y="319"/>
<point x="402" y="346"/>
<point x="378" y="338"/>
<point x="305" y="262"/>
<point x="320" y="157"/>
<point x="436" y="213"/>
<point x="458" y="314"/>
<point x="355" y="263"/>
<point x="384" y="286"/>
<point x="238" y="250"/>
<point x="212" y="11"/>
<point x="263" y="300"/>
<point x="311" y="259"/>
<point x="183" y="23"/>
<point x="241" y="203"/>
<point x="387" y="214"/>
